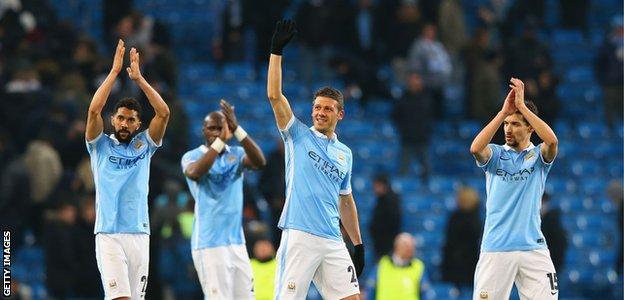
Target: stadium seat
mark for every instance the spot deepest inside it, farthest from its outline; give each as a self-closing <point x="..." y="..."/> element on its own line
<point x="442" y="291"/>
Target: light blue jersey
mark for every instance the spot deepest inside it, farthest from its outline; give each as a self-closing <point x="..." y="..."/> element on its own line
<point x="515" y="185"/>
<point x="218" y="199"/>
<point x="121" y="175"/>
<point x="318" y="169"/>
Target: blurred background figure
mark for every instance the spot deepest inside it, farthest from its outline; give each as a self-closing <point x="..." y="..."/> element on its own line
<point x="554" y="233"/>
<point x="463" y="237"/>
<point x="386" y="220"/>
<point x="415" y="104"/>
<point x="61" y="251"/>
<point x="609" y="65"/>
<point x="264" y="265"/>
<point x="398" y="275"/>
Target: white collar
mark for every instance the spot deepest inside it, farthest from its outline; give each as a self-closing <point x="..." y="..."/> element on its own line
<point x="528" y="148"/>
<point x="334" y="137"/>
<point x="204" y="149"/>
<point x="116" y="141"/>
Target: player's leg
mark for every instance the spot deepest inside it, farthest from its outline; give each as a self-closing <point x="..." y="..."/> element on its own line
<point x="298" y="257"/>
<point x="243" y="275"/>
<point x="495" y="274"/>
<point x="215" y="272"/>
<point x="537" y="278"/>
<point x="111" y="261"/>
<point x="336" y="277"/>
<point x="136" y="247"/>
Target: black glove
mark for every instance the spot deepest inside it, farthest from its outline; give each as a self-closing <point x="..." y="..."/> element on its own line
<point x="284" y="32"/>
<point x="358" y="259"/>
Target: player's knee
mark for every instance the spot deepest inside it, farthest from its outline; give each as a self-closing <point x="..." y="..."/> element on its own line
<point x="352" y="297"/>
<point x="122" y="298"/>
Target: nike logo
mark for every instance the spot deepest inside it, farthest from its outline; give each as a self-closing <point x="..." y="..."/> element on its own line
<point x="505" y="158"/>
<point x="355" y="285"/>
<point x="553" y="293"/>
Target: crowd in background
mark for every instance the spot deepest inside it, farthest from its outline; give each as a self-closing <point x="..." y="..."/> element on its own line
<point x="49" y="71"/>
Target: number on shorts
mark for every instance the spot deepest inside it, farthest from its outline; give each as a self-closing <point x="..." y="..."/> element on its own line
<point x="350" y="270"/>
<point x="552" y="278"/>
<point x="144" y="280"/>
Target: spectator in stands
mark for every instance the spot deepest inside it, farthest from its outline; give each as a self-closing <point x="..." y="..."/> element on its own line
<point x="272" y="186"/>
<point x="416" y="104"/>
<point x="261" y="16"/>
<point x="482" y="76"/>
<point x="429" y="58"/>
<point x="60" y="254"/>
<point x="264" y="266"/>
<point x="228" y="25"/>
<point x="527" y="55"/>
<point x="44" y="168"/>
<point x="398" y="275"/>
<point x="452" y="26"/>
<point x="386" y="220"/>
<point x="616" y="194"/>
<point x="554" y="233"/>
<point x="88" y="280"/>
<point x="404" y="25"/>
<point x="574" y="13"/>
<point x="320" y="32"/>
<point x="463" y="233"/>
<point x="547" y="95"/>
<point x="608" y="68"/>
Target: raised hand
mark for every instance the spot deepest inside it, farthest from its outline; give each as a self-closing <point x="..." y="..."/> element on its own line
<point x="285" y="30"/>
<point x="509" y="106"/>
<point x="118" y="60"/>
<point x="226" y="133"/>
<point x="134" y="71"/>
<point x="230" y="116"/>
<point x="517" y="87"/>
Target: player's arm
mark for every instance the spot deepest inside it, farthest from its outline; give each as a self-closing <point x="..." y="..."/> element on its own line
<point x="349" y="219"/>
<point x="254" y="158"/>
<point x="284" y="32"/>
<point x="549" y="147"/>
<point x="200" y="167"/>
<point x="95" y="124"/>
<point x="158" y="124"/>
<point x="479" y="147"/>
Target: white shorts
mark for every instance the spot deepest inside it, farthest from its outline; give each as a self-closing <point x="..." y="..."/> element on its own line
<point x="303" y="257"/>
<point x="532" y="271"/>
<point x="224" y="272"/>
<point x="123" y="261"/>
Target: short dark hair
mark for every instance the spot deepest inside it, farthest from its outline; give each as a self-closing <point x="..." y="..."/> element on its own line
<point x="532" y="107"/>
<point x="331" y="92"/>
<point x="129" y="103"/>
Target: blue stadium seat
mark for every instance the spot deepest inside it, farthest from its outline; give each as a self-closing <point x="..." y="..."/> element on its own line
<point x="406" y="185"/>
<point x="589" y="240"/>
<point x="442" y="291"/>
<point x="440" y="184"/>
<point x="469" y="129"/>
<point x="593" y="186"/>
<point x="592" y="130"/>
<point x="237" y="72"/>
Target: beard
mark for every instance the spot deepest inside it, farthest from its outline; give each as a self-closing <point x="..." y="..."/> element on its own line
<point x="122" y="139"/>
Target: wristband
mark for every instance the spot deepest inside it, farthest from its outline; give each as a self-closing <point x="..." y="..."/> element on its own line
<point x="217" y="145"/>
<point x="240" y="133"/>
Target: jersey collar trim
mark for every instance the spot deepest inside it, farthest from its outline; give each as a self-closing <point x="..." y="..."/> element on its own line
<point x="528" y="148"/>
<point x="334" y="137"/>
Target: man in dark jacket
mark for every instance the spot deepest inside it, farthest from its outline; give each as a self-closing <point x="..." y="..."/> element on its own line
<point x="386" y="221"/>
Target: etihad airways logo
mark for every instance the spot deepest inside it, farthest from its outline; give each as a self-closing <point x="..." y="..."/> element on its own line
<point x="125" y="163"/>
<point x="327" y="167"/>
<point x="517" y="176"/>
